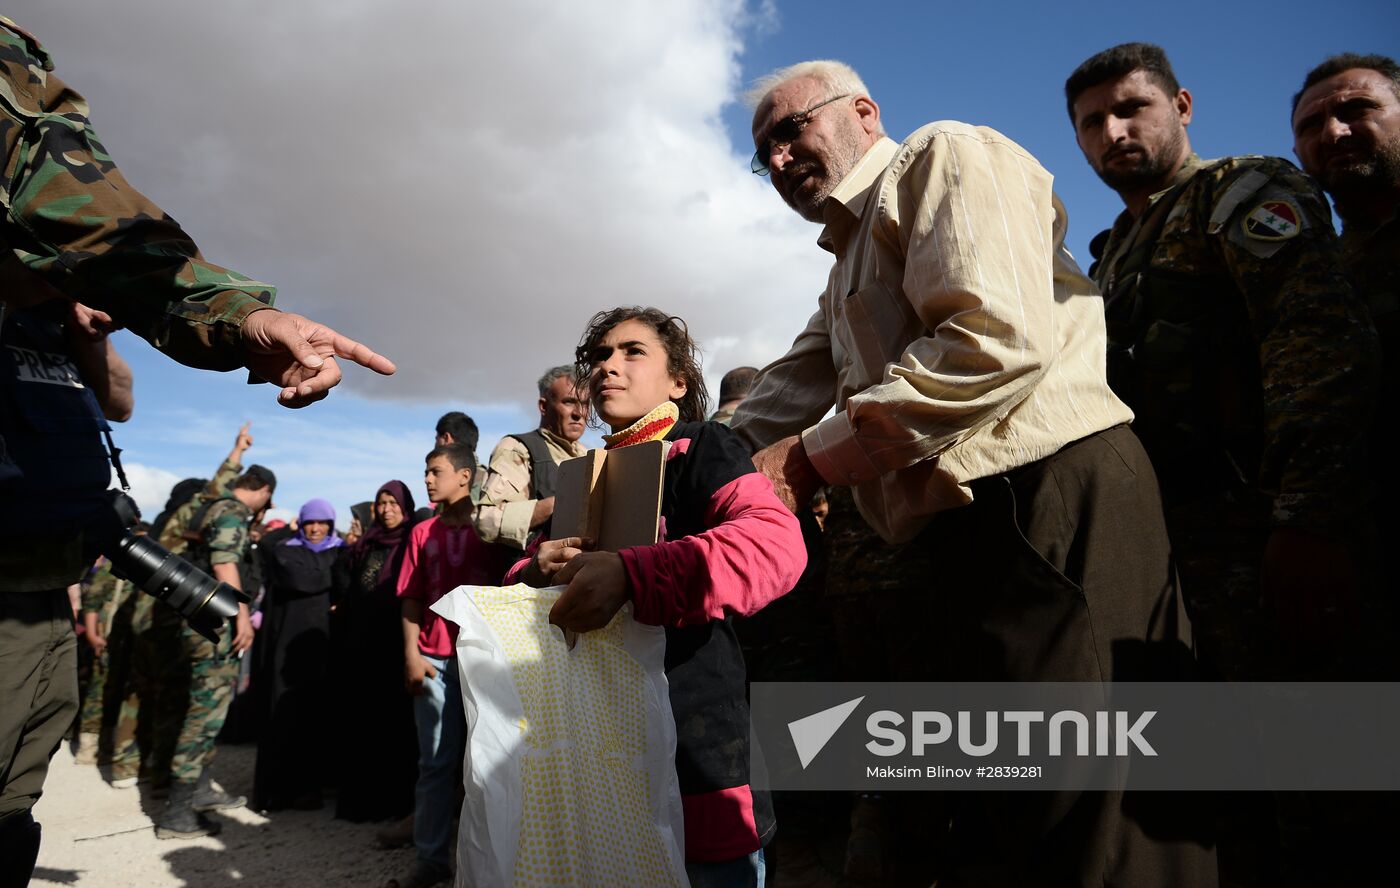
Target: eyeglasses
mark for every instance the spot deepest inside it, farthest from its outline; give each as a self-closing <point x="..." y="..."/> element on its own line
<point x="785" y="132"/>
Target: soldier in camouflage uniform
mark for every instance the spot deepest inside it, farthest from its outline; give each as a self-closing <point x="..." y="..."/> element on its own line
<point x="1346" y="133"/>
<point x="1250" y="365"/>
<point x="218" y="539"/>
<point x="1247" y="359"/>
<point x="70" y="217"/>
<point x="107" y="607"/>
<point x="153" y="707"/>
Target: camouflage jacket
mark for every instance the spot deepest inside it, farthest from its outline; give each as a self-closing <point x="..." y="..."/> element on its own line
<point x="1372" y="259"/>
<point x="70" y="216"/>
<point x="222" y="533"/>
<point x="174" y="535"/>
<point x="1237" y="341"/>
<point x="724" y="416"/>
<point x="103" y="593"/>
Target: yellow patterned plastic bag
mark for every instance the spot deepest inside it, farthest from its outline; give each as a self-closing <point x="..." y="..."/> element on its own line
<point x="570" y="765"/>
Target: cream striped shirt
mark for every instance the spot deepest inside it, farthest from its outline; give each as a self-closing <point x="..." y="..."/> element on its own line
<point x="957" y="337"/>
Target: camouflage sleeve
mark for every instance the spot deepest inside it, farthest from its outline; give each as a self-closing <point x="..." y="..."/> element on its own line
<point x="71" y="216"/>
<point x="224" y="475"/>
<point x="172" y="536"/>
<point x="99" y="589"/>
<point x="504" y="512"/>
<point x="1318" y="352"/>
<point x="125" y="591"/>
<point x="225" y="532"/>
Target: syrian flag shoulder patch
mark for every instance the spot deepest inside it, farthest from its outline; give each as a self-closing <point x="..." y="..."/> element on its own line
<point x="1273" y="220"/>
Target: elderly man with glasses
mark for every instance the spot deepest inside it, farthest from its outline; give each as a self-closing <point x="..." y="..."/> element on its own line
<point x="964" y="352"/>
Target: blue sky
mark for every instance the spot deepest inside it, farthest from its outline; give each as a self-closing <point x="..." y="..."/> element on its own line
<point x="463" y="186"/>
<point x="1004" y="65"/>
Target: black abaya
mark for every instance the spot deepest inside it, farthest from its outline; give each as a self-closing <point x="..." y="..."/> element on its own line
<point x="377" y="758"/>
<point x="293" y="653"/>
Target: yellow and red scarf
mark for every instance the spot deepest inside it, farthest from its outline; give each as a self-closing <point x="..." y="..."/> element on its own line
<point x="652" y="427"/>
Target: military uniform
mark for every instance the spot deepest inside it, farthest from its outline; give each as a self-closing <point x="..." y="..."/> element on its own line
<point x="152" y="710"/>
<point x="212" y="667"/>
<point x="70" y="216"/>
<point x="1249" y="364"/>
<point x="175" y="535"/>
<point x="112" y="599"/>
<point x="724" y="416"/>
<point x="514" y="484"/>
<point x="1372" y="261"/>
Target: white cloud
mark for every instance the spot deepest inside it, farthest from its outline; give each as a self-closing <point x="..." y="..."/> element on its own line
<point x="150" y="487"/>
<point x="461" y="185"/>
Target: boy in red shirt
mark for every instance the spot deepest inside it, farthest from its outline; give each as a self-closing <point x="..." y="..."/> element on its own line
<point x="443" y="553"/>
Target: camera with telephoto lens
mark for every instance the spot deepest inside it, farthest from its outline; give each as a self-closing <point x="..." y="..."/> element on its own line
<point x="204" y="602"/>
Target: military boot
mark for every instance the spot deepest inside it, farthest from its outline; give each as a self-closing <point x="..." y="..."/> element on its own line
<point x="181" y="820"/>
<point x="207" y="798"/>
<point x="121" y="774"/>
<point x="19" y="849"/>
<point x="87" y="749"/>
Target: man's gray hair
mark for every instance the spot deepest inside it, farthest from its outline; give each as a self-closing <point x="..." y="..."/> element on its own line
<point x="838" y="77"/>
<point x="552" y="374"/>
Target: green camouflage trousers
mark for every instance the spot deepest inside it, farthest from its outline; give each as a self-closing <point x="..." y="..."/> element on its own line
<point x="180" y="689"/>
<point x="110" y="672"/>
<point x="213" y="671"/>
<point x="90" y="716"/>
<point x="153" y="705"/>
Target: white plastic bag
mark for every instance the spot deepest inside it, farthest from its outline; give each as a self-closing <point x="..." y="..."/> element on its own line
<point x="570" y="766"/>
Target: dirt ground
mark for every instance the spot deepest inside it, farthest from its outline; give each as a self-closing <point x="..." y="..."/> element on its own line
<point x="99" y="837"/>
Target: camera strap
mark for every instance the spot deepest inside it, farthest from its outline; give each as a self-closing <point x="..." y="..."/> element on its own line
<point x="114" y="453"/>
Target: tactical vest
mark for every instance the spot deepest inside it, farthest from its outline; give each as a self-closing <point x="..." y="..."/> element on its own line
<point x="54" y="467"/>
<point x="543" y="472"/>
<point x="197" y="548"/>
<point x="543" y="477"/>
<point x="1181" y="354"/>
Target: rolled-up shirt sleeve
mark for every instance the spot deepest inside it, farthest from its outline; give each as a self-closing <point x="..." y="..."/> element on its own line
<point x="505" y="510"/>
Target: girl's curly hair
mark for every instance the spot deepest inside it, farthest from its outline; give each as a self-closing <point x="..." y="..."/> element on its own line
<point x="682" y="354"/>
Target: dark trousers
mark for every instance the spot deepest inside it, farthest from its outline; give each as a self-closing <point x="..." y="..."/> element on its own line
<point x="1058" y="571"/>
<point x="38" y="699"/>
<point x="38" y="691"/>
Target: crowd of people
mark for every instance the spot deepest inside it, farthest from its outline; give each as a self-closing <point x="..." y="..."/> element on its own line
<point x="1170" y="468"/>
<point x="337" y="631"/>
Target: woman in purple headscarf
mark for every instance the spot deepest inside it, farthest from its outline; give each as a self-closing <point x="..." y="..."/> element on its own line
<point x="375" y="774"/>
<point x="293" y="656"/>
